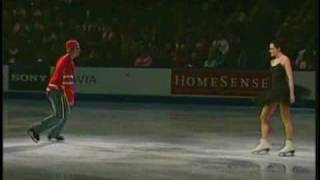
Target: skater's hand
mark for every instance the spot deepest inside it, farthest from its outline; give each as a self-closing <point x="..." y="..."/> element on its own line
<point x="292" y="99"/>
<point x="47" y="91"/>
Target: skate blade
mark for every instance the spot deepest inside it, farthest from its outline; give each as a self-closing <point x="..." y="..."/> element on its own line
<point x="55" y="141"/>
<point x="31" y="136"/>
<point x="261" y="152"/>
<point x="287" y="154"/>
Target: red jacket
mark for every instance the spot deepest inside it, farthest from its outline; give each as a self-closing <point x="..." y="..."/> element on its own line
<point x="63" y="78"/>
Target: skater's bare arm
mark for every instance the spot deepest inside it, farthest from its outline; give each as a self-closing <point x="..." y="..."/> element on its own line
<point x="287" y="66"/>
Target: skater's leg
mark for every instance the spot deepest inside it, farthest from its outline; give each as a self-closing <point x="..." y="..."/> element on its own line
<point x="288" y="149"/>
<point x="56" y="130"/>
<point x="57" y="114"/>
<point x="265" y="118"/>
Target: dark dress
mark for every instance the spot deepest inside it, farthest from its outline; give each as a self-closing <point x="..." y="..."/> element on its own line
<point x="279" y="91"/>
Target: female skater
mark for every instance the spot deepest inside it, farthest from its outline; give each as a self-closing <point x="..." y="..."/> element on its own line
<point x="281" y="94"/>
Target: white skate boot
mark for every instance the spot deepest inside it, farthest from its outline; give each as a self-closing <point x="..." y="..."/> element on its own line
<point x="262" y="148"/>
<point x="287" y="150"/>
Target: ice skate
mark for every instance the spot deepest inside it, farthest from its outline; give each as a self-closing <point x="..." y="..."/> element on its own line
<point x="33" y="135"/>
<point x="262" y="148"/>
<point x="56" y="139"/>
<point x="288" y="150"/>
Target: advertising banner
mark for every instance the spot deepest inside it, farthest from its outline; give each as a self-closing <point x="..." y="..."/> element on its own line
<point x="219" y="82"/>
<point x="26" y="78"/>
<point x="123" y="81"/>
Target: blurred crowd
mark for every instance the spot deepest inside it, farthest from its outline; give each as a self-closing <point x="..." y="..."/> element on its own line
<point x="221" y="34"/>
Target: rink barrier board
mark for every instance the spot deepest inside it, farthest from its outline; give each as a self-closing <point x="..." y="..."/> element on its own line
<point x="131" y="85"/>
<point x="5" y="78"/>
<point x="223" y="101"/>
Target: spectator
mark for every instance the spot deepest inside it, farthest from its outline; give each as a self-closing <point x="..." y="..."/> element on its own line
<point x="215" y="57"/>
<point x="116" y="36"/>
<point x="143" y="60"/>
<point x="301" y="62"/>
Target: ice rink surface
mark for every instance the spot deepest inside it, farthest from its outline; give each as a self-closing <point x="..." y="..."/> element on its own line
<point x="142" y="141"/>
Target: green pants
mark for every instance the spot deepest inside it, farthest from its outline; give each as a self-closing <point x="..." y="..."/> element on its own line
<point x="56" y="121"/>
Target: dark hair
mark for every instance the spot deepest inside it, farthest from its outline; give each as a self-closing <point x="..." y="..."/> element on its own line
<point x="276" y="44"/>
<point x="282" y="43"/>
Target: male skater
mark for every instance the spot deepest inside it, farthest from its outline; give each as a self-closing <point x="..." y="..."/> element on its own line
<point x="60" y="92"/>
